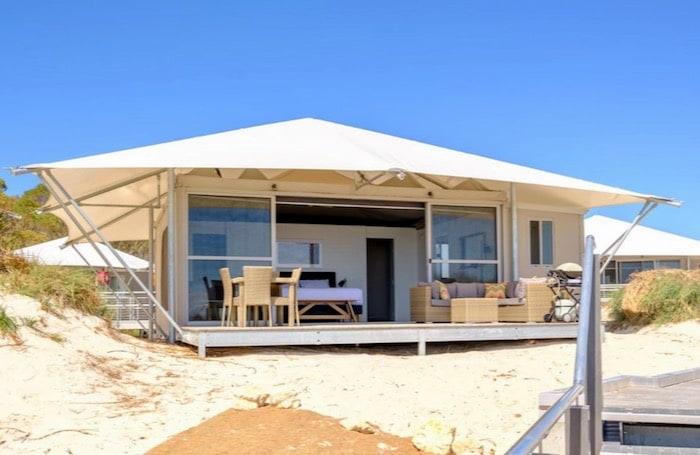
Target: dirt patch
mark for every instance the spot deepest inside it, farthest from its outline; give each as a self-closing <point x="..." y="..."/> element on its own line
<point x="273" y="430"/>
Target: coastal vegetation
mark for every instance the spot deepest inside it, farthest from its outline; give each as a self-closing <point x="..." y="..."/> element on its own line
<point x="658" y="297"/>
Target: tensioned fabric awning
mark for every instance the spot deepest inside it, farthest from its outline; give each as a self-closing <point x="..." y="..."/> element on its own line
<point x="642" y="240"/>
<point x="115" y="188"/>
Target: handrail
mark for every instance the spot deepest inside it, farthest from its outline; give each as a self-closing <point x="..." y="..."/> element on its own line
<point x="529" y="441"/>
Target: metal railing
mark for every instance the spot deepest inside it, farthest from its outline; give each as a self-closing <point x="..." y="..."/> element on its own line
<point x="128" y="309"/>
<point x="607" y="291"/>
<point x="583" y="422"/>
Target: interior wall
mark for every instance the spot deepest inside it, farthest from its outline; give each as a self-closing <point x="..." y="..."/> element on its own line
<point x="343" y="251"/>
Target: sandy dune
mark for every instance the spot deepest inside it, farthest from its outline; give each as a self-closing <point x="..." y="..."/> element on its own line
<point x="75" y="386"/>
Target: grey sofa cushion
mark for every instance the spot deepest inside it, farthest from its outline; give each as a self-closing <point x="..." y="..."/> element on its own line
<point x="511" y="301"/>
<point x="434" y="290"/>
<point x="439" y="302"/>
<point x="467" y="290"/>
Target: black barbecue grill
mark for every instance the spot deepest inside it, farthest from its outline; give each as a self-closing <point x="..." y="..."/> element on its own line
<point x="565" y="283"/>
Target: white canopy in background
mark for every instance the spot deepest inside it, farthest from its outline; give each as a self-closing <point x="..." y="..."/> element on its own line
<point x="302" y="151"/>
<point x="642" y="241"/>
<point x="52" y="253"/>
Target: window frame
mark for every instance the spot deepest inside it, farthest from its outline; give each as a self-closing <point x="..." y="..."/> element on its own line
<point x="540" y="250"/>
<point x="433" y="256"/>
<point x="232" y="261"/>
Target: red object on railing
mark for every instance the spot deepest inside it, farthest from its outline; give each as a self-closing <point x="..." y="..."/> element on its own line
<point x="102" y="278"/>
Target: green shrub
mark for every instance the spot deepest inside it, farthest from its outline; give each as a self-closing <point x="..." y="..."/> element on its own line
<point x="658" y="297"/>
<point x="8" y="326"/>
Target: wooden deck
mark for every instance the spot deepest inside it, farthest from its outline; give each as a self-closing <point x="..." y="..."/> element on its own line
<point x="649" y="415"/>
<point x="372" y="333"/>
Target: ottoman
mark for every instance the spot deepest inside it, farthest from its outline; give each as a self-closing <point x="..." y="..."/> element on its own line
<point x="474" y="310"/>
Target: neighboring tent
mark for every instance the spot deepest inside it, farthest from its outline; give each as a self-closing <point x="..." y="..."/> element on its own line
<point x="122" y="192"/>
<point x="643" y="249"/>
<point x="642" y="241"/>
<point x="54" y="252"/>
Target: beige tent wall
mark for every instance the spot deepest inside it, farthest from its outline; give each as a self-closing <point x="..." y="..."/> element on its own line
<point x="161" y="275"/>
<point x="568" y="239"/>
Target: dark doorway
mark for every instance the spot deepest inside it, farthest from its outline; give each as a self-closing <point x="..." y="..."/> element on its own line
<point x="380" y="280"/>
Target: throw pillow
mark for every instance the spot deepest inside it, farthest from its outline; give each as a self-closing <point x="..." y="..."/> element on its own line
<point x="511" y="289"/>
<point x="495" y="290"/>
<point x="442" y="291"/>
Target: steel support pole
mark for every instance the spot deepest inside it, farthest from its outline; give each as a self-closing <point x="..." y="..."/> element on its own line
<point x="151" y="260"/>
<point x="514" y="232"/>
<point x="171" y="251"/>
<point x="610" y="251"/>
<point x="594" y="376"/>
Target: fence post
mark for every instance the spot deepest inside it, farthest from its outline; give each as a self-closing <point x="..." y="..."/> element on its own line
<point x="577" y="430"/>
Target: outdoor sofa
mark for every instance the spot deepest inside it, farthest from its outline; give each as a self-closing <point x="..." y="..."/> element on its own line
<point x="526" y="300"/>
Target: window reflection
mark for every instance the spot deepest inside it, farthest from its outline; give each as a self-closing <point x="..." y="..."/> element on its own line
<point x="464" y="245"/>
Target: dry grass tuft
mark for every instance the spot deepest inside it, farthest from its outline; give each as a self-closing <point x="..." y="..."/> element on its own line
<point x="658" y="297"/>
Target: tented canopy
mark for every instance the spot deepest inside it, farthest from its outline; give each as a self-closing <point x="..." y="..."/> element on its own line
<point x="642" y="241"/>
<point x="113" y="188"/>
<point x="56" y="252"/>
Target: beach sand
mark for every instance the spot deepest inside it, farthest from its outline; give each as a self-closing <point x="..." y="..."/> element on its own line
<point x="73" y="385"/>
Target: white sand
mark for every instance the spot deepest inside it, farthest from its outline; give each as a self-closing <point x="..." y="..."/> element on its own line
<point x="97" y="391"/>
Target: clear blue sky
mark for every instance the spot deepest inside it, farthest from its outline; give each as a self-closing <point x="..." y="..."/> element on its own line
<point x="604" y="91"/>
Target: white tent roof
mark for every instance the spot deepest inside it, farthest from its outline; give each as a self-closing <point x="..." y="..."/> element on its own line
<point x="53" y="252"/>
<point x="642" y="241"/>
<point x="304" y="151"/>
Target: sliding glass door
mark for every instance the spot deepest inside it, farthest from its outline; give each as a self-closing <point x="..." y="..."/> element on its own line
<point x="223" y="231"/>
<point x="464" y="244"/>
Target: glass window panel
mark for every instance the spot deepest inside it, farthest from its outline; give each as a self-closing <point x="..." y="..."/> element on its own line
<point x="204" y="274"/>
<point x="610" y="275"/>
<point x="220" y="226"/>
<point x="669" y="264"/>
<point x="466" y="273"/>
<point x="299" y="253"/>
<point x="463" y="236"/>
<point x="229" y="226"/>
<point x="464" y="232"/>
<point x="627" y="268"/>
<point x="547" y="243"/>
<point x="541" y="242"/>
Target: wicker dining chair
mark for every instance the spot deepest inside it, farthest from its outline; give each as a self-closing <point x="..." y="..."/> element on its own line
<point x="290" y="301"/>
<point x="229" y="301"/>
<point x="256" y="293"/>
